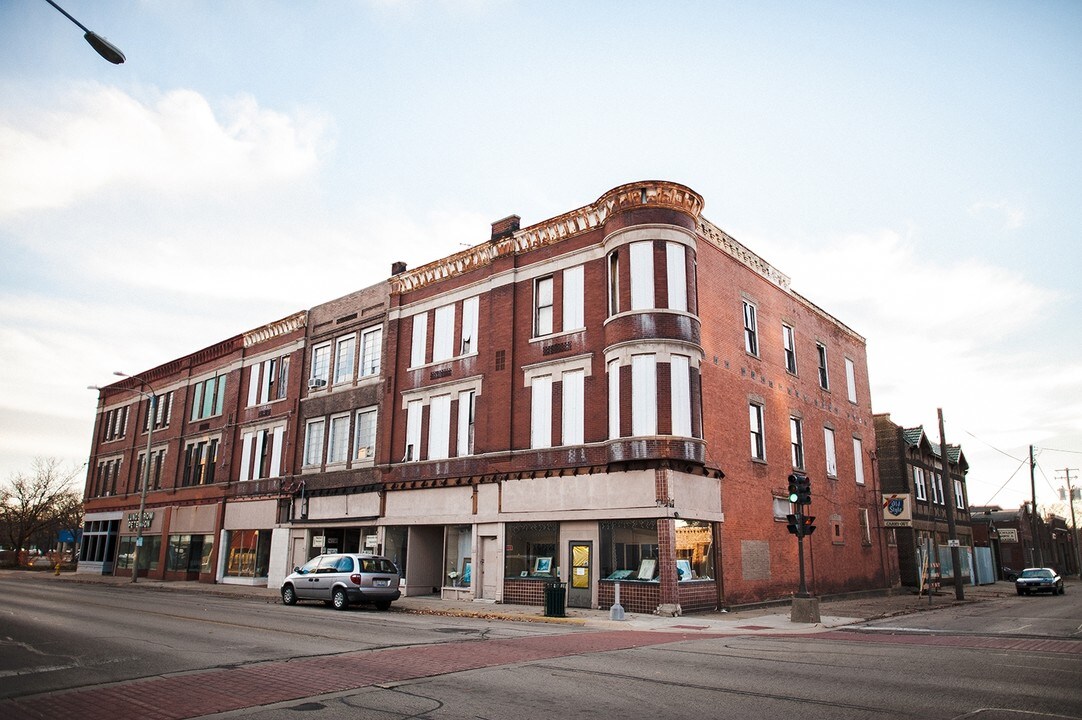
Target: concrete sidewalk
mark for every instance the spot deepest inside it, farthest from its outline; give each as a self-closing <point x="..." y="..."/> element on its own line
<point x="773" y="618"/>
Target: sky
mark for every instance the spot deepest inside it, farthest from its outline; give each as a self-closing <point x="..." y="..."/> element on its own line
<point x="915" y="168"/>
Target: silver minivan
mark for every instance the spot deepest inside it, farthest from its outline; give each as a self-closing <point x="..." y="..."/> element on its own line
<point x="342" y="579"/>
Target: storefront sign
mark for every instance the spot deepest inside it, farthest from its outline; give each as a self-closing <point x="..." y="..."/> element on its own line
<point x="318" y="540"/>
<point x="897" y="510"/>
<point x="371" y="541"/>
<point x="133" y="520"/>
<point x="1009" y="535"/>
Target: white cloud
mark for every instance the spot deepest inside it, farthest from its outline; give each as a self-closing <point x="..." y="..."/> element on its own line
<point x="1009" y="216"/>
<point x="101" y="137"/>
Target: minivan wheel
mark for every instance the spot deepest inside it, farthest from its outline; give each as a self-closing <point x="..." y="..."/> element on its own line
<point x="339" y="599"/>
<point x="382" y="604"/>
<point x="289" y="595"/>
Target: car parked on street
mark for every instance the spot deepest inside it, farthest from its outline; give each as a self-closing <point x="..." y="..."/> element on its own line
<point x="342" y="579"/>
<point x="1033" y="580"/>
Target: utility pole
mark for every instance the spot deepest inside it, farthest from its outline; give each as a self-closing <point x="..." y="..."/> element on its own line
<point x="952" y="500"/>
<point x="1038" y="556"/>
<point x="1074" y="523"/>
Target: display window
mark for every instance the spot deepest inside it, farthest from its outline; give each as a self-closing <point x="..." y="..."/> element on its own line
<point x="531" y="550"/>
<point x="148" y="554"/>
<point x="694" y="550"/>
<point x="248" y="553"/>
<point x="629" y="550"/>
<point x="189" y="553"/>
<point x="459" y="571"/>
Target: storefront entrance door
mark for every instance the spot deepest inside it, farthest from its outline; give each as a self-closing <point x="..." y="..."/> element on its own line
<point x="579" y="590"/>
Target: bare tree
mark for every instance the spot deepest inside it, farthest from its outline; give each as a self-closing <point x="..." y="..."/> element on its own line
<point x="30" y="503"/>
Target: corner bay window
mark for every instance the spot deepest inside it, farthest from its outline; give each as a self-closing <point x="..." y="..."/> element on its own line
<point x="531" y="550"/>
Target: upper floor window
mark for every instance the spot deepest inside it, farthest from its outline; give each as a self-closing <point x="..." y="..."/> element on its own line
<point x="614" y="399"/>
<point x="345" y="351"/>
<point x="824" y="379"/>
<point x="959" y="501"/>
<point x="796" y="442"/>
<point x="364" y="435"/>
<point x="468" y="344"/>
<point x="788" y="342"/>
<point x="541" y="412"/>
<point x="614" y="282"/>
<point x="157" y="459"/>
<point x="314" y="431"/>
<point x="680" y="392"/>
<point x="268" y="381"/>
<point x="209" y="398"/>
<point x="162" y="414"/>
<point x="105" y="478"/>
<point x="371" y="350"/>
<point x="918" y="484"/>
<point x="338" y="440"/>
<point x="439" y="427"/>
<point x="858" y="460"/>
<point x="542" y="306"/>
<point x="261" y="453"/>
<point x="418" y="348"/>
<point x="321" y="365"/>
<point x="851" y="379"/>
<point x="443" y="333"/>
<point x="114" y="423"/>
<point x="751" y="329"/>
<point x="200" y="460"/>
<point x="643" y="395"/>
<point x="574" y="305"/>
<point x="937" y="486"/>
<point x="414" y="408"/>
<point x="642" y="275"/>
<point x="573" y="407"/>
<point x="467" y="410"/>
<point x="758" y="439"/>
<point x="831" y="453"/>
<point x="676" y="275"/>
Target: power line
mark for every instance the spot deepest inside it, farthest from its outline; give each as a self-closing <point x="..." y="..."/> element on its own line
<point x="1012" y="457"/>
<point x="1021" y="463"/>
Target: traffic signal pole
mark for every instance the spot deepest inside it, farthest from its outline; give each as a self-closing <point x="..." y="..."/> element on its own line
<point x="805" y="608"/>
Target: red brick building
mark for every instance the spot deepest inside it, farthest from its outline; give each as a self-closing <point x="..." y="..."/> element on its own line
<point x="220" y="447"/>
<point x="614" y="395"/>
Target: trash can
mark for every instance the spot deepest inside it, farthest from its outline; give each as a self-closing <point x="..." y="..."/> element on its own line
<point x="555" y="599"/>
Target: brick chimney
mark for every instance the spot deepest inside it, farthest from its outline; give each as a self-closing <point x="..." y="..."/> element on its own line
<point x="505" y="228"/>
<point x="398" y="268"/>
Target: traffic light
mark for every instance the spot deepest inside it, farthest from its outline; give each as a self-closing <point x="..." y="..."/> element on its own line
<point x="793" y="524"/>
<point x="808" y="527"/>
<point x="799" y="489"/>
<point x="794" y="489"/>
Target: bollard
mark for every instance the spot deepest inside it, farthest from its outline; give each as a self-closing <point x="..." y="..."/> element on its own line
<point x="616" y="612"/>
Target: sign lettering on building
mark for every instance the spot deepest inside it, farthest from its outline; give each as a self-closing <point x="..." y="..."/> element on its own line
<point x="133" y="520"/>
<point x="897" y="510"/>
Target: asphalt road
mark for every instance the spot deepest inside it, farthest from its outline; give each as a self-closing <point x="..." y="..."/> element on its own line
<point x="129" y="652"/>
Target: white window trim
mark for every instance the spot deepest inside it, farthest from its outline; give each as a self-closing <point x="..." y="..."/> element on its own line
<point x="573" y="421"/>
<point x="344" y="452"/>
<point x="419" y="340"/>
<point x="858" y="460"/>
<point x="680" y="395"/>
<point x="851" y="379"/>
<point x="574" y="310"/>
<point x="644" y="395"/>
<point x="831" y="452"/>
<point x="676" y="276"/>
<point x="443" y="333"/>
<point x="439" y="427"/>
<point x="642" y="274"/>
<point x="541" y="412"/>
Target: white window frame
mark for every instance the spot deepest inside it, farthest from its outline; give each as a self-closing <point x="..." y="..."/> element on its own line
<point x="851" y="379"/>
<point x="345" y="356"/>
<point x="371" y="351"/>
<point x="919" y="488"/>
<point x="439" y="427"/>
<point x="574" y="317"/>
<point x="823" y="369"/>
<point x="414" y="410"/>
<point x="314" y="442"/>
<point x="573" y="394"/>
<point x="338" y="431"/>
<point x="361" y="443"/>
<point x="676" y="276"/>
<point x="788" y="343"/>
<point x="756" y="431"/>
<point x="543" y="306"/>
<point x="958" y="495"/>
<point x="642" y="275"/>
<point x="321" y="362"/>
<point x="643" y="395"/>
<point x="796" y="441"/>
<point x="470" y="309"/>
<point x="419" y="335"/>
<point x="751" y="328"/>
<point x="614" y="399"/>
<point x="831" y="452"/>
<point x="467" y="422"/>
<point x="541" y="412"/>
<point x="680" y="394"/>
<point x="858" y="460"/>
<point x="443" y="333"/>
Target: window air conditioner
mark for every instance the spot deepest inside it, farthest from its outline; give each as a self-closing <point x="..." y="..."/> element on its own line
<point x="316" y="383"/>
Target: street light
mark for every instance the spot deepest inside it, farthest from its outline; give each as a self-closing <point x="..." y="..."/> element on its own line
<point x="152" y="396"/>
<point x="102" y="46"/>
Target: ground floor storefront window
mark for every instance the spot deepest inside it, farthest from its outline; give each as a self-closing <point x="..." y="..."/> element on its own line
<point x="629" y="549"/>
<point x="531" y="551"/>
<point x="395" y="541"/>
<point x="248" y="553"/>
<point x="99" y="541"/>
<point x="459" y="571"/>
<point x="694" y="550"/>
<point x="148" y="553"/>
<point x="189" y="553"/>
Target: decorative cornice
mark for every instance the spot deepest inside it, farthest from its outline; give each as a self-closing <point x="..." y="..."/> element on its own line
<point x="648" y="194"/>
<point x="721" y="239"/>
<point x="286" y="325"/>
